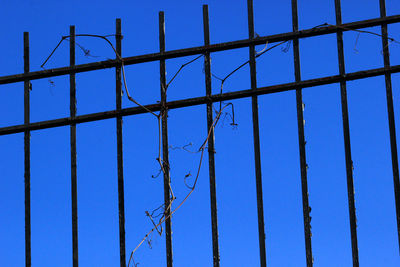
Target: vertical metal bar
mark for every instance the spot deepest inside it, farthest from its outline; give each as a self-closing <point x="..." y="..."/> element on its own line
<point x="121" y="202"/>
<point x="72" y="108"/>
<point x="392" y="127"/>
<point x="256" y="138"/>
<point x="27" y="155"/>
<point x="302" y="143"/>
<point x="164" y="127"/>
<point x="211" y="149"/>
<point x="346" y="136"/>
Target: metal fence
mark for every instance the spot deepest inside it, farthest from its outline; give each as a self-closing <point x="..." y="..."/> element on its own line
<point x="208" y="99"/>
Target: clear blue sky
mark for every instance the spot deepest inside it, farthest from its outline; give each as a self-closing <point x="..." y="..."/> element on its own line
<point x="47" y="21"/>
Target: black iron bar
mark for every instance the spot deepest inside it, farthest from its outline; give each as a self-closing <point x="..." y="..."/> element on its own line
<point x="302" y="143"/>
<point x="346" y="137"/>
<point x="391" y="119"/>
<point x="27" y="155"/>
<point x="121" y="201"/>
<point x="72" y="108"/>
<point x="199" y="100"/>
<point x="165" y="160"/>
<point x="197" y="50"/>
<point x="211" y="147"/>
<point x="256" y="138"/>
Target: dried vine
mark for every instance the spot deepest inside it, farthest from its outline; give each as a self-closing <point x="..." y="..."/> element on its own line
<point x="159" y="215"/>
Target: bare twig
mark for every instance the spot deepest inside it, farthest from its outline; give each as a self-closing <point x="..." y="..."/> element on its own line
<point x="158" y="173"/>
<point x="391" y="39"/>
<point x="184" y="180"/>
<point x="152" y="221"/>
<point x="287" y="47"/>
<point x="356" y="42"/>
<point x="182" y="66"/>
<point x="184" y="148"/>
<point x="135" y="264"/>
<point x="231" y="115"/>
<point x="265" y="48"/>
<point x="104" y="37"/>
<point x="242" y="65"/>
<point x="157" y="210"/>
<point x="202" y="148"/>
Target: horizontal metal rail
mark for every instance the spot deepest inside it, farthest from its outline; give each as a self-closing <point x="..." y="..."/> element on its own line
<point x="317" y="31"/>
<point x="199" y="100"/>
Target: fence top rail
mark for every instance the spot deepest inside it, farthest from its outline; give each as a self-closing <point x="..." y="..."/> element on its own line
<point x="316" y="31"/>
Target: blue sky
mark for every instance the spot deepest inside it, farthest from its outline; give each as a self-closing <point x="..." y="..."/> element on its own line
<point x="47" y="21"/>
